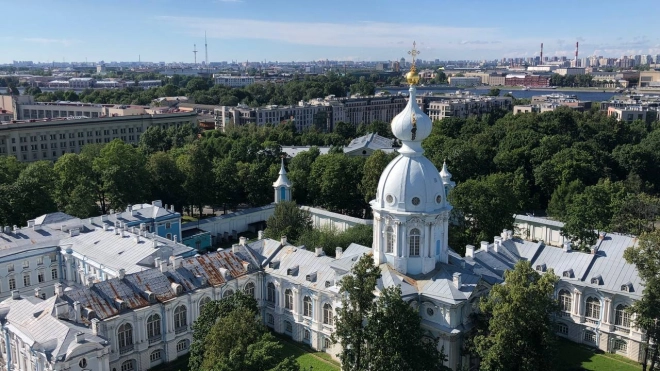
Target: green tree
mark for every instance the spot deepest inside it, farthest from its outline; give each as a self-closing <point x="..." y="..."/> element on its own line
<point x="197" y="168"/>
<point x="635" y="214"/>
<point x="33" y="192"/>
<point x="166" y="179"/>
<point x="228" y="190"/>
<point x="519" y="334"/>
<point x="10" y="168"/>
<point x="373" y="168"/>
<point x="74" y="189"/>
<point x="121" y="171"/>
<point x="299" y="170"/>
<point x="562" y="198"/>
<point x="646" y="311"/>
<point x="288" y="220"/>
<point x="336" y="183"/>
<point x="356" y="305"/>
<point x="209" y="315"/>
<point x="493" y="92"/>
<point x="395" y="329"/>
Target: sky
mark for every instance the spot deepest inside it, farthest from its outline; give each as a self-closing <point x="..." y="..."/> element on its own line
<point x="299" y="30"/>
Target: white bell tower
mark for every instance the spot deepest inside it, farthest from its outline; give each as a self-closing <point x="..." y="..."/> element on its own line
<point x="282" y="186"/>
<point x="411" y="211"/>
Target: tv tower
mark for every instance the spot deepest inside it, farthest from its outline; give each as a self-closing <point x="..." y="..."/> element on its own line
<point x="195" y="52"/>
<point x="206" y="51"/>
<point x="541" y="53"/>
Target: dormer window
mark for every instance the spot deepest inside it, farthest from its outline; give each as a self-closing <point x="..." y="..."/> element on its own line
<point x="328" y="283"/>
<point x="540" y="267"/>
<point x="274" y="264"/>
<point x="627" y="287"/>
<point x="597" y="280"/>
<point x="311" y="277"/>
<point x="568" y="273"/>
<point x="292" y="271"/>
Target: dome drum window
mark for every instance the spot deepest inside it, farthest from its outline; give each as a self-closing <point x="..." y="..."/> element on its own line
<point x="430" y="312"/>
<point x="438" y="199"/>
<point x="389" y="199"/>
<point x="415" y="201"/>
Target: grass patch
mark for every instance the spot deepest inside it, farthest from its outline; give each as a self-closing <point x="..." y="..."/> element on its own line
<point x="187" y="218"/>
<point x="179" y="364"/>
<point x="573" y="356"/>
<point x="308" y="358"/>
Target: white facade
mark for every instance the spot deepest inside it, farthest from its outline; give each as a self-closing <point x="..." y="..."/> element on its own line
<point x="233" y="81"/>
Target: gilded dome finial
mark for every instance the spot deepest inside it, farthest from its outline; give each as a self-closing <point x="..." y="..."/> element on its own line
<point x="412" y="77"/>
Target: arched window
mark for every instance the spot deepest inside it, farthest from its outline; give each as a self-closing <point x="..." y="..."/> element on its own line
<point x="180" y="317"/>
<point x="205" y="300"/>
<point x="593" y="308"/>
<point x="288" y="328"/>
<point x="327" y="343"/>
<point x="125" y="336"/>
<point x="128" y="365"/>
<point x="153" y="327"/>
<point x="249" y="289"/>
<point x="307" y="306"/>
<point x="437" y="247"/>
<point x="288" y="299"/>
<point x="270" y="319"/>
<point x="228" y="293"/>
<point x="565" y="301"/>
<point x="389" y="240"/>
<point x="183" y="345"/>
<point x="283" y="194"/>
<point x="306" y="335"/>
<point x="327" y="314"/>
<point x="270" y="293"/>
<point x="414" y="242"/>
<point x="621" y="316"/>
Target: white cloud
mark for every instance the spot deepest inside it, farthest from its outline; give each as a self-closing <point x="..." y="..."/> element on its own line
<point x="358" y="34"/>
<point x="42" y="40"/>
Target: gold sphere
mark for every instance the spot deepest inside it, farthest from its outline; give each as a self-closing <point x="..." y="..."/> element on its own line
<point x="412" y="77"/>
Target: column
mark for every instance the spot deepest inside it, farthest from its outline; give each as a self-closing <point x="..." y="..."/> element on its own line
<point x="607" y="310"/>
<point x="69" y="273"/>
<point x="577" y="298"/>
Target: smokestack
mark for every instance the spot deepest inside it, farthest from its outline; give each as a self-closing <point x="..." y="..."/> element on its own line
<point x="576" y="53"/>
<point x="541" y="53"/>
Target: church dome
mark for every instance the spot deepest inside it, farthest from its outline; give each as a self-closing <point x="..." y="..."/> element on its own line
<point x="410" y="184"/>
<point x="411" y="125"/>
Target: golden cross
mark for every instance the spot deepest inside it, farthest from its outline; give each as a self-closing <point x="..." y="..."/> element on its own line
<point x="414" y="52"/>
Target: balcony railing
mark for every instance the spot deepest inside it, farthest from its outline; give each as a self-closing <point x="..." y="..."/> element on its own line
<point x="592" y="321"/>
<point x="155" y="339"/>
<point x="126" y="349"/>
<point x="180" y="330"/>
<point x="625" y="330"/>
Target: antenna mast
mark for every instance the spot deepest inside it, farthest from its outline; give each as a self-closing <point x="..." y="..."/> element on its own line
<point x="206" y="51"/>
<point x="195" y="52"/>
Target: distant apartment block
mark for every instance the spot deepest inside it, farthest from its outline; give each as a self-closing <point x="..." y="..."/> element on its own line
<point x="536" y="81"/>
<point x="465" y="107"/>
<point x="233" y="81"/>
<point x="49" y="130"/>
<point x="633" y="113"/>
<point x="649" y="79"/>
<point x="464" y="81"/>
<point x="146" y="84"/>
<point x="570" y="71"/>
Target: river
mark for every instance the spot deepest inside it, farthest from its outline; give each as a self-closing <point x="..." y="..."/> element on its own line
<point x="586" y="95"/>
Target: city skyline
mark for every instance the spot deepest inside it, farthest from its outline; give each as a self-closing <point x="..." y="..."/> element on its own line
<point x="257" y="30"/>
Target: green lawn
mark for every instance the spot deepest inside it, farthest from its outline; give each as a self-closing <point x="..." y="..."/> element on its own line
<point x="308" y="358"/>
<point x="573" y="357"/>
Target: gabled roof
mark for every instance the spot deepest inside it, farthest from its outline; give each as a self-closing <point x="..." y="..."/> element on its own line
<point x="371" y="141"/>
<point x="296" y="263"/>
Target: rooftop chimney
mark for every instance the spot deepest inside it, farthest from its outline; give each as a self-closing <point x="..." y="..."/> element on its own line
<point x="59" y="291"/>
<point x="95" y="326"/>
<point x="504" y="235"/>
<point x="128" y="208"/>
<point x="469" y="251"/>
<point x="601" y="236"/>
<point x="497" y="243"/>
<point x="157" y="262"/>
<point x="137" y="237"/>
<point x="76" y="310"/>
<point x="15" y="295"/>
<point x="122" y="273"/>
<point x="260" y="235"/>
<point x="457" y="280"/>
<point x="163" y="266"/>
<point x="242" y="241"/>
<point x="283" y="240"/>
<point x="80" y="337"/>
<point x="318" y="251"/>
<point x="484" y="245"/>
<point x="37" y="292"/>
<point x="175" y="238"/>
<point x="338" y="252"/>
<point x="567" y="246"/>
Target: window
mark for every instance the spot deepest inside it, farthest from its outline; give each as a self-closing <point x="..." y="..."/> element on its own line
<point x="306" y="335"/>
<point x="389" y="240"/>
<point x="621" y="316"/>
<point x="155" y="355"/>
<point x="82" y="363"/>
<point x="228" y="293"/>
<point x="180" y="317"/>
<point x="40" y="276"/>
<point x="590" y="337"/>
<point x="169" y="236"/>
<point x="307" y="306"/>
<point x="153" y="326"/>
<point x="288" y="299"/>
<point x="414" y="242"/>
<point x="620" y="345"/>
<point x="288" y="328"/>
<point x="270" y="293"/>
<point x="565" y="301"/>
<point x="182" y="345"/>
<point x="249" y="289"/>
<point x="125" y="336"/>
<point x="415" y="201"/>
<point x="593" y="308"/>
<point x="40" y="260"/>
<point x="128" y="366"/>
<point x="10" y="267"/>
<point x="270" y="319"/>
<point x="53" y="273"/>
<point x="562" y="328"/>
<point x="205" y="300"/>
<point x="326" y="343"/>
<point x="327" y="314"/>
<point x="12" y="283"/>
<point x="168" y="225"/>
